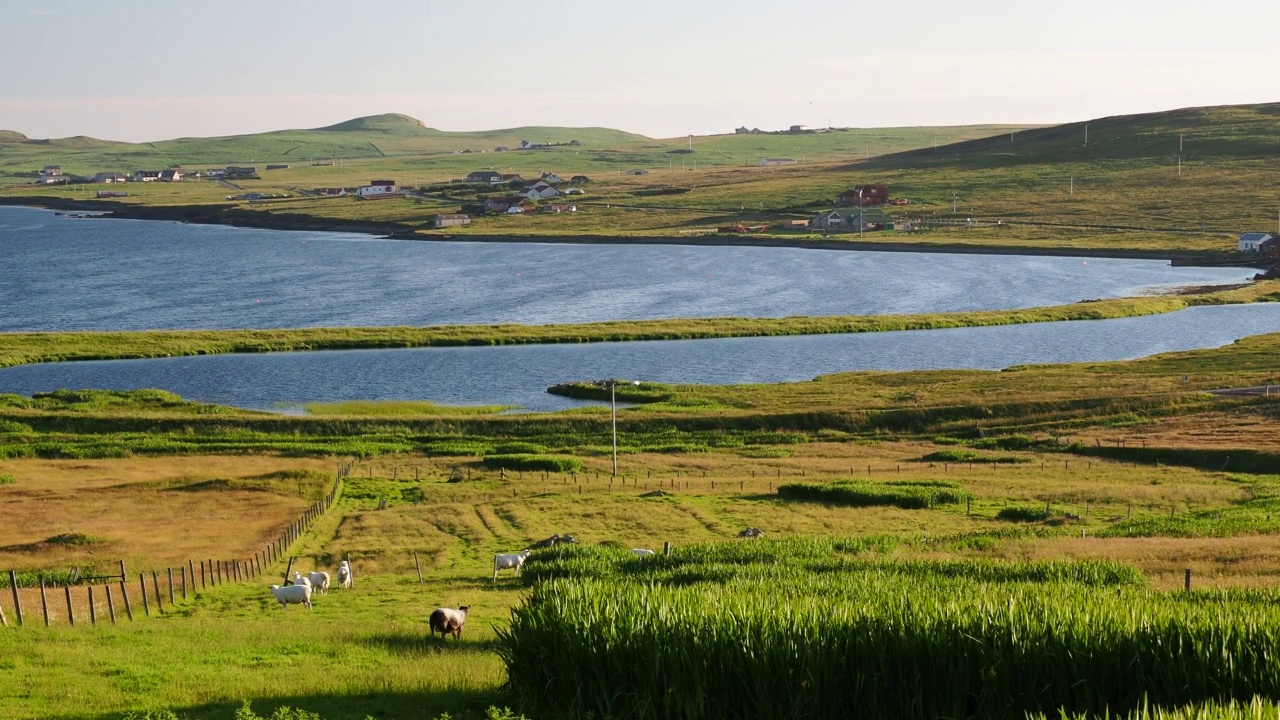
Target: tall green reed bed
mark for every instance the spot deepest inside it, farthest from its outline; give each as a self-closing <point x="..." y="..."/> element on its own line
<point x="855" y="493"/>
<point x="817" y="629"/>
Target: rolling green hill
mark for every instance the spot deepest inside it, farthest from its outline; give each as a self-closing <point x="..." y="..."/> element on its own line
<point x="1238" y="132"/>
<point x="400" y="136"/>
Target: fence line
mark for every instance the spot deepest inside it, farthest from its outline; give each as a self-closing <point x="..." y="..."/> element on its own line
<point x="212" y="574"/>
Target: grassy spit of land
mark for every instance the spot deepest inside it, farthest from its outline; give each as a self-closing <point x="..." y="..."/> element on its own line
<point x="22" y="348"/>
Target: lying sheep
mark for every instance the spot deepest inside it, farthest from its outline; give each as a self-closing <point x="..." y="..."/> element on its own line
<point x="552" y="541"/>
<point x="505" y="561"/>
<point x="641" y="551"/>
<point x="344" y="575"/>
<point x="448" y="620"/>
<point x="319" y="581"/>
<point x="295" y="594"/>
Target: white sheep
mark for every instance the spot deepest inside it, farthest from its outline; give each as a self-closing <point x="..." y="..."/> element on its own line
<point x="319" y="581"/>
<point x="642" y="552"/>
<point x="300" y="579"/>
<point x="448" y="620"/>
<point x="296" y="594"/>
<point x="504" y="561"/>
<point x="344" y="575"/>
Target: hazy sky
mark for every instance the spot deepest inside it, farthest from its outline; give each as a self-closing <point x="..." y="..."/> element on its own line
<point x="156" y="69"/>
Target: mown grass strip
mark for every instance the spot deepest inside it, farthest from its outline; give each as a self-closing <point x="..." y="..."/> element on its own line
<point x="24" y="348"/>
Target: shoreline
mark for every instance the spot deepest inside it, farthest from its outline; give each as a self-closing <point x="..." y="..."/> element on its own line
<point x="221" y="214"/>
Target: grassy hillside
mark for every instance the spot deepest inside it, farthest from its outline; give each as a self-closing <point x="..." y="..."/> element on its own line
<point x="400" y="136"/>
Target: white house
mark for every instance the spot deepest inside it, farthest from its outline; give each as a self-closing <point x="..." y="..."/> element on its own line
<point x="539" y="190"/>
<point x="552" y="178"/>
<point x="1252" y="242"/>
<point x="378" y="189"/>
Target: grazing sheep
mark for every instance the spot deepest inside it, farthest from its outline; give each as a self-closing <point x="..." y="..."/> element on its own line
<point x="504" y="561"/>
<point x="552" y="541"/>
<point x="344" y="575"/>
<point x="641" y="551"/>
<point x="296" y="594"/>
<point x="751" y="532"/>
<point x="448" y="620"/>
<point x="300" y="579"/>
<point x="319" y="581"/>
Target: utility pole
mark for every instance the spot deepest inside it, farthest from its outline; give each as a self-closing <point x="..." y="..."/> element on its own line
<point x="954" y="196"/>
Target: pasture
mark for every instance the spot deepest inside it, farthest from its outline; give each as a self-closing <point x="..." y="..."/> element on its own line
<point x="365" y="651"/>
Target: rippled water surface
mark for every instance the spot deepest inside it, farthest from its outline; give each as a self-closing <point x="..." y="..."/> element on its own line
<point x="64" y="273"/>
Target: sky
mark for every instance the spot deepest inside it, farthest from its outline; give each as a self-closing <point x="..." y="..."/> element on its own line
<point x="141" y="70"/>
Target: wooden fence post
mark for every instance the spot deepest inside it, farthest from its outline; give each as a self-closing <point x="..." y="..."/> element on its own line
<point x="172" y="600"/>
<point x="666" y="548"/>
<point x="124" y="593"/>
<point x="419" y="567"/>
<point x="17" y="601"/>
<point x="44" y="602"/>
<point x="71" y="611"/>
<point x="191" y="572"/>
<point x="111" y="604"/>
<point x="155" y="584"/>
<point x="202" y="585"/>
<point x="183" y="572"/>
<point x="287" y="569"/>
<point x="1188" y="580"/>
<point x="4" y="621"/>
<point x="142" y="581"/>
<point x="93" y="609"/>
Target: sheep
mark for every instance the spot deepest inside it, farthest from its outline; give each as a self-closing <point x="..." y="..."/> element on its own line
<point x="300" y="579"/>
<point x="344" y="575"/>
<point x="642" y="552"/>
<point x="296" y="594"/>
<point x="503" y="561"/>
<point x="552" y="541"/>
<point x="751" y="532"/>
<point x="319" y="580"/>
<point x="448" y="620"/>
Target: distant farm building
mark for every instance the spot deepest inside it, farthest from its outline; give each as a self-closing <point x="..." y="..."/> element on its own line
<point x="502" y="204"/>
<point x="277" y="167"/>
<point x="146" y="176"/>
<point x="769" y="162"/>
<point x="109" y="177"/>
<point x="1252" y="242"/>
<point x="539" y="190"/>
<point x="378" y="189"/>
<point x="637" y="171"/>
<point x="241" y="173"/>
<point x="552" y="178"/>
<point x="579" y="179"/>
<point x="451" y="220"/>
<point x="866" y="195"/>
<point x="485" y="176"/>
<point x="171" y="175"/>
<point x="334" y="192"/>
<point x="852" y="219"/>
<point x="51" y="170"/>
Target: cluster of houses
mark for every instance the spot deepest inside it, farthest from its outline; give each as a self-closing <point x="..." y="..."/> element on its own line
<point x="53" y="175"/>
<point x="529" y="193"/>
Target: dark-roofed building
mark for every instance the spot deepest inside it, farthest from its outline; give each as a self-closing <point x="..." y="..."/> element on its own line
<point x="868" y="195"/>
<point x="485" y="176"/>
<point x="451" y="220"/>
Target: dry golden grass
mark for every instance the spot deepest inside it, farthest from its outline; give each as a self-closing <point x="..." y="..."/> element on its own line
<point x="136" y="510"/>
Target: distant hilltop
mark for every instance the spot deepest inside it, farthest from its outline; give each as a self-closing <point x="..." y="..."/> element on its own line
<point x="387" y="122"/>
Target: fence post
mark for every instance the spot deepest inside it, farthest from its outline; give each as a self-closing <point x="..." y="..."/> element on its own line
<point x="124" y="593"/>
<point x="287" y="569"/>
<point x="155" y="583"/>
<point x="172" y="600"/>
<point x="219" y="571"/>
<point x="142" y="581"/>
<point x="17" y="602"/>
<point x="183" y="572"/>
<point x="111" y="604"/>
<point x="4" y="621"/>
<point x="191" y="572"/>
<point x="93" y="609"/>
<point x="666" y="548"/>
<point x="1188" y="580"/>
<point x="71" y="611"/>
<point x="44" y="602"/>
<point x="417" y="565"/>
<point x="202" y="585"/>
